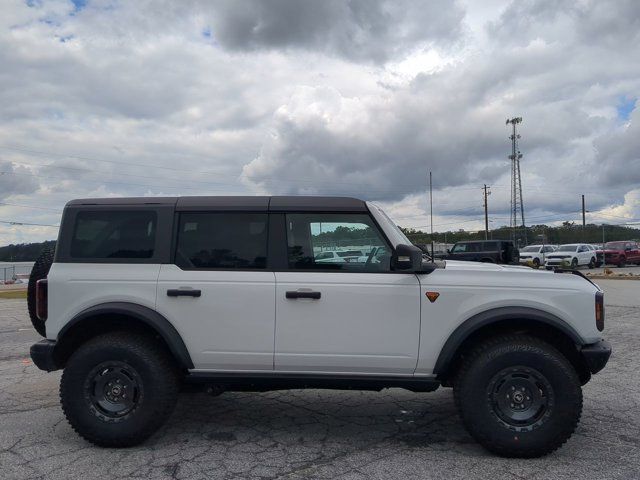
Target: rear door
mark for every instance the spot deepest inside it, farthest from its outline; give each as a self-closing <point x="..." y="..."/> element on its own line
<point x="351" y="317"/>
<point x="218" y="292"/>
<point x="633" y="254"/>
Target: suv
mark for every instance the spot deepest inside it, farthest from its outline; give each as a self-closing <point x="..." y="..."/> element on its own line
<point x="619" y="253"/>
<point x="144" y="294"/>
<point x="487" y="251"/>
<point x="535" y="255"/>
<point x="572" y="255"/>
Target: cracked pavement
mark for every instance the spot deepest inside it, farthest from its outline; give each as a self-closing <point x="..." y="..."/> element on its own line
<point x="317" y="433"/>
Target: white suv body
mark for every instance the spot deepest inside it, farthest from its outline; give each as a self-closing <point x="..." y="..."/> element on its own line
<point x="535" y="254"/>
<point x="231" y="288"/>
<point x="572" y="255"/>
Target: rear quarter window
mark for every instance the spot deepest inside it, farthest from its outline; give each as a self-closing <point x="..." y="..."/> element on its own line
<point x="114" y="235"/>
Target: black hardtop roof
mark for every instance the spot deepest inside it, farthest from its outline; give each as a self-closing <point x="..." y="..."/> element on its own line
<point x="235" y="203"/>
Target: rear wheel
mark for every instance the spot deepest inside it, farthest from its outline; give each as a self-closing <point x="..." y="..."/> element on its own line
<point x="592" y="263"/>
<point x="118" y="389"/>
<point x="623" y="262"/>
<point x="39" y="271"/>
<point x="518" y="396"/>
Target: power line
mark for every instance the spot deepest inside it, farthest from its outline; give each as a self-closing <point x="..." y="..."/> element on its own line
<point x="30" y="206"/>
<point x="26" y="224"/>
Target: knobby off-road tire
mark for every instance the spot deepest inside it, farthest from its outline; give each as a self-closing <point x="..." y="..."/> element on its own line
<point x="118" y="389"/>
<point x="518" y="396"/>
<point x="39" y="271"/>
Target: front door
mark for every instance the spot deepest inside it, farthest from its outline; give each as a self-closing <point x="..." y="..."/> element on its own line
<point x="353" y="315"/>
<point x="219" y="294"/>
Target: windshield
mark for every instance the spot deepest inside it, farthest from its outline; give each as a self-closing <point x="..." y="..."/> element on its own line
<point x="614" y="245"/>
<point x="529" y="249"/>
<point x="567" y="248"/>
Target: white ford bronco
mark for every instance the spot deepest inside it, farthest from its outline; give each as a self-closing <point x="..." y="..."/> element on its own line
<point x="232" y="293"/>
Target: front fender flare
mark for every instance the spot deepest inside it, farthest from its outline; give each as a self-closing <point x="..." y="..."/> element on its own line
<point x="480" y="320"/>
<point x="146" y="315"/>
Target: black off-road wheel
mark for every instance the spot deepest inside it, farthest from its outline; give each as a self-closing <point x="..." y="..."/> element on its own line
<point x="536" y="263"/>
<point x="574" y="263"/>
<point x="592" y="263"/>
<point x="118" y="389"/>
<point x="518" y="396"/>
<point x="39" y="271"/>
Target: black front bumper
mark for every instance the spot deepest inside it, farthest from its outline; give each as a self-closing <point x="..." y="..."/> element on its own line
<point x="42" y="354"/>
<point x="596" y="355"/>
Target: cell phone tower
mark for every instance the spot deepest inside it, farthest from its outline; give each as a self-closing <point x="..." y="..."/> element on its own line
<point x="517" y="205"/>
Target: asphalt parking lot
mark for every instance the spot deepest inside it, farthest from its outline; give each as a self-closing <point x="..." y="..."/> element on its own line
<point x="315" y="433"/>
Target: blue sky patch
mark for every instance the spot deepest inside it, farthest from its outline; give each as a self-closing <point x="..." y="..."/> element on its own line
<point x="625" y="106"/>
<point x="79" y="4"/>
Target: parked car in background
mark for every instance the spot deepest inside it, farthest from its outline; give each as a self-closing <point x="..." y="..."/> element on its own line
<point x="619" y="253"/>
<point x="337" y="256"/>
<point x="572" y="255"/>
<point x="486" y="251"/>
<point x="535" y="254"/>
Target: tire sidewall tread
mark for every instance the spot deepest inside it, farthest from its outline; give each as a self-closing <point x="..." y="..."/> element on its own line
<point x="161" y="384"/>
<point x="491" y="357"/>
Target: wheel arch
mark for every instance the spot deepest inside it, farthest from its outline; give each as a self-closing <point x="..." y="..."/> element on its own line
<point x="502" y="320"/>
<point x="107" y="317"/>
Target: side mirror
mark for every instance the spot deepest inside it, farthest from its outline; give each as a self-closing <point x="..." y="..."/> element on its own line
<point x="448" y="250"/>
<point x="407" y="258"/>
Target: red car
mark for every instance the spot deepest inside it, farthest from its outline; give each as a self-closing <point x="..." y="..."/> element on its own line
<point x="620" y="253"/>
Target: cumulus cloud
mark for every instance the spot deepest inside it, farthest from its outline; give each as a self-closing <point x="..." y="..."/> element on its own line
<point x="358" y="30"/>
<point x="16" y="180"/>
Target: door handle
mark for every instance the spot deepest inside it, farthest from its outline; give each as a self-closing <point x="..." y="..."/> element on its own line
<point x="183" y="292"/>
<point x="293" y="294"/>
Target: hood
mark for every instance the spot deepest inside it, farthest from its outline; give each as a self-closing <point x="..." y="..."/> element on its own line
<point x="486" y="267"/>
<point x="560" y="254"/>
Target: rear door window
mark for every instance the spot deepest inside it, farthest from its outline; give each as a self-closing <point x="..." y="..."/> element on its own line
<point x="114" y="235"/>
<point x="222" y="241"/>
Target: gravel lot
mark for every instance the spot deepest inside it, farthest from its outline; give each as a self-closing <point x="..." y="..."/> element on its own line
<point x="315" y="433"/>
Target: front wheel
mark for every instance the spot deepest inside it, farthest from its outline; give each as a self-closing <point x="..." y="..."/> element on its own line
<point x="118" y="389"/>
<point x="592" y="263"/>
<point x="536" y="263"/>
<point x="518" y="396"/>
<point x="622" y="263"/>
<point x="574" y="263"/>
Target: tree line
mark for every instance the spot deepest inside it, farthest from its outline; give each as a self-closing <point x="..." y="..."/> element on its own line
<point x="568" y="232"/>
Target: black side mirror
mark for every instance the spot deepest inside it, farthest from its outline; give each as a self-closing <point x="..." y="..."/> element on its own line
<point x="448" y="250"/>
<point x="407" y="257"/>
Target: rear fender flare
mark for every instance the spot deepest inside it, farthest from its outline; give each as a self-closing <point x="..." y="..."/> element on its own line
<point x="146" y="315"/>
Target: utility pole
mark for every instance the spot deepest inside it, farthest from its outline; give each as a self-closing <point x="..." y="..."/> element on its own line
<point x="584" y="222"/>
<point x="431" y="211"/>
<point x="486" y="212"/>
<point x="517" y="204"/>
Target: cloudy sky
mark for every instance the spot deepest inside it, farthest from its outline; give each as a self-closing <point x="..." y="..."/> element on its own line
<point x="354" y="97"/>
